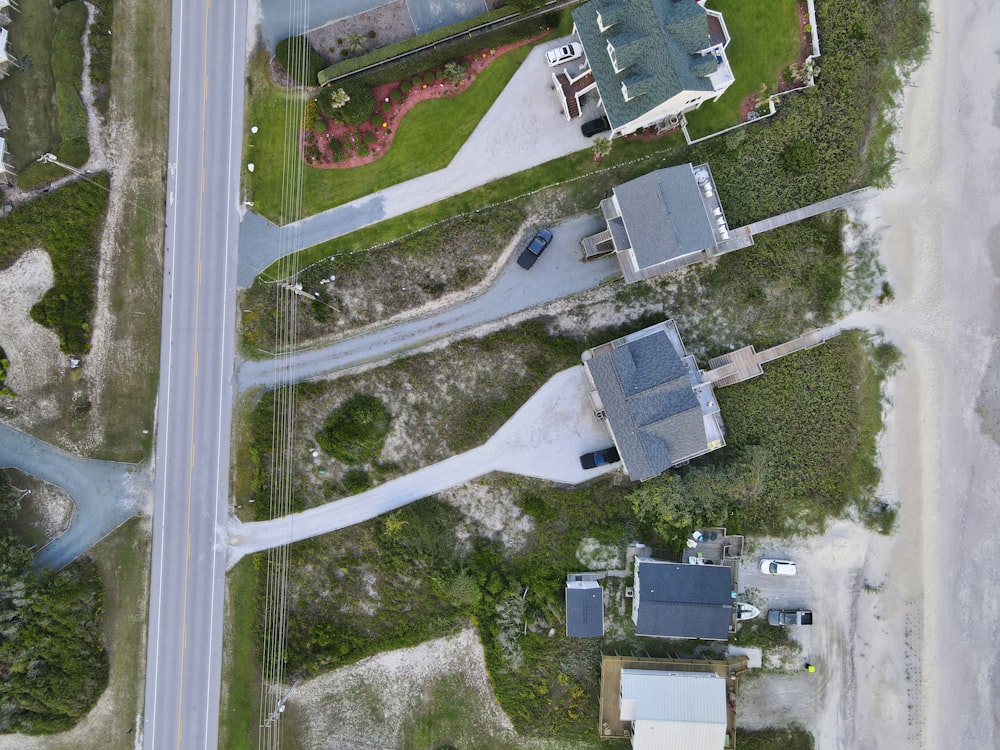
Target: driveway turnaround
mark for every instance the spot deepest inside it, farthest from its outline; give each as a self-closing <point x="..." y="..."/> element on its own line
<point x="523" y="128"/>
<point x="105" y="493"/>
<point x="543" y="439"/>
<point x="560" y="272"/>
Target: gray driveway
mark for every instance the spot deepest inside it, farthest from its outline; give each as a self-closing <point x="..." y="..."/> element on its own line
<point x="523" y="128"/>
<point x="543" y="439"/>
<point x="105" y="493"/>
<point x="559" y="273"/>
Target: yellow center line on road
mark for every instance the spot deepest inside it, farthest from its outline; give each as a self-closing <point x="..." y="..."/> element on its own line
<point x="194" y="388"/>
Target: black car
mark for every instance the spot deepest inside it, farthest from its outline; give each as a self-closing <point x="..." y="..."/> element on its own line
<point x="600" y="458"/>
<point x="594" y="127"/>
<point x="538" y="243"/>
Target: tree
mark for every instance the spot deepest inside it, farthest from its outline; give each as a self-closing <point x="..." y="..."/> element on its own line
<point x="601" y="147"/>
<point x="454" y="72"/>
<point x="355" y="42"/>
<point x="338" y="98"/>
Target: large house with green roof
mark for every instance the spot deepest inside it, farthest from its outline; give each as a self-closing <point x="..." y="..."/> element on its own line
<point x="650" y="61"/>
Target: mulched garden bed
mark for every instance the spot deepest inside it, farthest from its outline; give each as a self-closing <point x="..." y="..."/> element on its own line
<point x="343" y="146"/>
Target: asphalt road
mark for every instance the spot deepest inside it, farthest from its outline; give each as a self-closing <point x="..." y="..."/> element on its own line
<point x="105" y="493"/>
<point x="559" y="273"/>
<point x="194" y="404"/>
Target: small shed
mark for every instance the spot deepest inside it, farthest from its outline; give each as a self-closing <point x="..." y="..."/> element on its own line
<point x="584" y="609"/>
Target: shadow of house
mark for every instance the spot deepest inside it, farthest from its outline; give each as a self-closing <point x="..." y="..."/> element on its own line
<point x="651" y="60"/>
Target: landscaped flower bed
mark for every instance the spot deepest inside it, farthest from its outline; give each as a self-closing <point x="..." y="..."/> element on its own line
<point x="331" y="144"/>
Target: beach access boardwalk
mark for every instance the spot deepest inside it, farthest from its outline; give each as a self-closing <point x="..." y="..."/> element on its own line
<point x="743" y="236"/>
<point x="746" y="363"/>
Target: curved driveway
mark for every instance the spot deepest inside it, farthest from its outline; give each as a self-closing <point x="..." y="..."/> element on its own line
<point x="543" y="439"/>
<point x="559" y="273"/>
<point x="105" y="493"/>
<point x="523" y="129"/>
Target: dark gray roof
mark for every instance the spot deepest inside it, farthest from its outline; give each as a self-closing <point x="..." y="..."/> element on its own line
<point x="584" y="612"/>
<point x="684" y="601"/>
<point x="665" y="215"/>
<point x="655" y="416"/>
<point x="655" y="39"/>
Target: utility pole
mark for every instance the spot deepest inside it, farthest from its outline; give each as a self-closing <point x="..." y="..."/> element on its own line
<point x="280" y="708"/>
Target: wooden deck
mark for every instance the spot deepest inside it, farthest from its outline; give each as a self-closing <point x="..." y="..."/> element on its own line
<point x="815" y="209"/>
<point x="746" y="363"/>
<point x="610" y="724"/>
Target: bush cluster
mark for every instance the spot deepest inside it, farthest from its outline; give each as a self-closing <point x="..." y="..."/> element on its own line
<point x="356" y="430"/>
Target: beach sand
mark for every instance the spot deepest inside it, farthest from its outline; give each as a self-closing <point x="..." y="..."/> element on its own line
<point x="940" y="232"/>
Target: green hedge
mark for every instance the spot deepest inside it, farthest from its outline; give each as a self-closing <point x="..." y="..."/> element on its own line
<point x="356" y="430"/>
<point x="299" y="45"/>
<point x="338" y="70"/>
<point x="67" y="223"/>
<point x="67" y="69"/>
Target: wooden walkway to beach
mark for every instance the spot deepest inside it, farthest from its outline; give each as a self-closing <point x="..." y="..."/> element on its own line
<point x="743" y="236"/>
<point x="746" y="363"/>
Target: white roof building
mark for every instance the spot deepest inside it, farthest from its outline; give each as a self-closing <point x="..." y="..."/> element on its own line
<point x="672" y="710"/>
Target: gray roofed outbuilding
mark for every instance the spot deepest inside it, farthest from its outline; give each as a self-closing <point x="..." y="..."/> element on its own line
<point x="584" y="609"/>
<point x="683" y="601"/>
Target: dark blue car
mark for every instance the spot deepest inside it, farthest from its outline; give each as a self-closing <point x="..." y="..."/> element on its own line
<point x="538" y="243"/>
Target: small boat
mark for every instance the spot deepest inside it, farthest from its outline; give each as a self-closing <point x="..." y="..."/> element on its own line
<point x="746" y="611"/>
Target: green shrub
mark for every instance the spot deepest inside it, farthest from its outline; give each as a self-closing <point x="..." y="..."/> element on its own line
<point x="429" y="77"/>
<point x="359" y="107"/>
<point x="416" y="81"/>
<point x="371" y="33"/>
<point x="368" y="137"/>
<point x="356" y="430"/>
<point x="405" y="87"/>
<point x="320" y="125"/>
<point x="356" y="480"/>
<point x="299" y="60"/>
<point x="440" y="74"/>
<point x="396" y="94"/>
<point x="362" y="149"/>
<point x="799" y="157"/>
<point x="377" y="121"/>
<point x="67" y="224"/>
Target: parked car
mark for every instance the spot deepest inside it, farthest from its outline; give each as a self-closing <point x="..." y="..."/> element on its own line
<point x="593" y="127"/>
<point x="600" y="458"/>
<point x="563" y="54"/>
<point x="783" y="617"/>
<point x="538" y="243"/>
<point x="777" y="567"/>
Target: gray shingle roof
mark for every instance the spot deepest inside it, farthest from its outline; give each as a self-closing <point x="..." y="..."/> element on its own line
<point x="584" y="612"/>
<point x="665" y="215"/>
<point x="655" y="416"/>
<point x="663" y="37"/>
<point x="684" y="601"/>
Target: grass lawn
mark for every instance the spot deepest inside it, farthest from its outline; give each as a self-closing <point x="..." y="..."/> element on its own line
<point x="427" y="139"/>
<point x="238" y="718"/>
<point x="765" y="41"/>
<point x="141" y="36"/>
<point x="28" y="96"/>
<point x="614" y="169"/>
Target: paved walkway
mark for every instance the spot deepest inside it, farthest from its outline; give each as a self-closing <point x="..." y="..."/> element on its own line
<point x="543" y="439"/>
<point x="559" y="273"/>
<point x="523" y="128"/>
<point x="105" y="493"/>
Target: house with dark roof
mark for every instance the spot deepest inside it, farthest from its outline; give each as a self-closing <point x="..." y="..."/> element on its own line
<point x="650" y="60"/>
<point x="584" y="609"/>
<point x="649" y="392"/>
<point x="678" y="600"/>
<point x="660" y="222"/>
